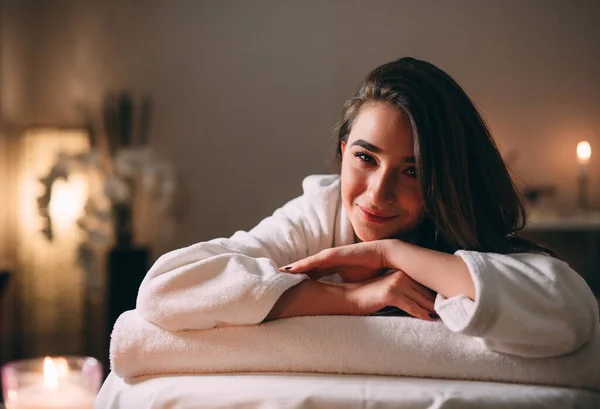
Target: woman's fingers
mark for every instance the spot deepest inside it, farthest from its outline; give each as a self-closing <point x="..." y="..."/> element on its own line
<point x="412" y="297"/>
<point x="425" y="298"/>
<point x="366" y="255"/>
<point x="424" y="291"/>
<point x="413" y="302"/>
<point x="318" y="273"/>
<point x="414" y="309"/>
<point x="423" y="302"/>
<point x="318" y="261"/>
<point x="326" y="262"/>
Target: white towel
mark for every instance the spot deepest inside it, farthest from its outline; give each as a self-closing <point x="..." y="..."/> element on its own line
<point x="339" y="344"/>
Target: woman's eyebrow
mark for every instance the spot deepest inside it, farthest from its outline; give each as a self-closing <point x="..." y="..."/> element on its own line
<point x="368" y="146"/>
<point x="372" y="148"/>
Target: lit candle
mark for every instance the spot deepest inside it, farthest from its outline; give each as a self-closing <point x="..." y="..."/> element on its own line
<point x="58" y="387"/>
<point x="584" y="152"/>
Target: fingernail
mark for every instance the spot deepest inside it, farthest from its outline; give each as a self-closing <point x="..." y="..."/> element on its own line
<point x="433" y="315"/>
<point x="288" y="268"/>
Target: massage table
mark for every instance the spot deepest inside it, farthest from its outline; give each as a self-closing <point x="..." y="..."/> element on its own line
<point x="330" y="391"/>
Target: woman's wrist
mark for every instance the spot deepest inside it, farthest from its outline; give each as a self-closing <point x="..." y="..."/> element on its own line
<point x="444" y="273"/>
<point x="361" y="300"/>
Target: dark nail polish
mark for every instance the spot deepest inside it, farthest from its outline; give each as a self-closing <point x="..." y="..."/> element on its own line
<point x="288" y="268"/>
<point x="433" y="315"/>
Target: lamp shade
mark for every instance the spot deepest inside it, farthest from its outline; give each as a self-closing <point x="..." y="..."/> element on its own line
<point x="49" y="280"/>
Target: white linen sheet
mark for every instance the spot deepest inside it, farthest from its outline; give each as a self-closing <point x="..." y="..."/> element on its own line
<point x="329" y="391"/>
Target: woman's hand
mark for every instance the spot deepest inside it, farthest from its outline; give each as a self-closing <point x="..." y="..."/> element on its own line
<point x="396" y="289"/>
<point x="363" y="264"/>
<point x="354" y="263"/>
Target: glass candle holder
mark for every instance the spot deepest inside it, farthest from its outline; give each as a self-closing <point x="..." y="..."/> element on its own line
<point x="70" y="382"/>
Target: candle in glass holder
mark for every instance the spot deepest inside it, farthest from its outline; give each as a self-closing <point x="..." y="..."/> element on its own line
<point x="584" y="152"/>
<point x="51" y="383"/>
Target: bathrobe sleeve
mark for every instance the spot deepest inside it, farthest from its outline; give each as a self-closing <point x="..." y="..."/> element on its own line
<point x="526" y="304"/>
<point x="235" y="281"/>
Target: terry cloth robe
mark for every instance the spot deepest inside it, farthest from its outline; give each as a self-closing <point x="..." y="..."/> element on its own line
<point x="526" y="304"/>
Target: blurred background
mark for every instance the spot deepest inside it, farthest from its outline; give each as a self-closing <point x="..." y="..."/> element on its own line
<point x="183" y="120"/>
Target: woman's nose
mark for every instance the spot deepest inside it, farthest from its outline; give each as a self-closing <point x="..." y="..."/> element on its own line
<point x="383" y="190"/>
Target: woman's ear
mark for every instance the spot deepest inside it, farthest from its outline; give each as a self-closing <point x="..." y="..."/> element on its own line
<point x="343" y="147"/>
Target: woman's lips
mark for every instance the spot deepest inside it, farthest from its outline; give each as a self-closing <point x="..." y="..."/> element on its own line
<point x="375" y="218"/>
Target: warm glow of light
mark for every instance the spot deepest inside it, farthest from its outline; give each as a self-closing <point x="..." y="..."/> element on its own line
<point x="12" y="395"/>
<point x="62" y="367"/>
<point x="48" y="267"/>
<point x="584" y="152"/>
<point x="68" y="200"/>
<point x="50" y="374"/>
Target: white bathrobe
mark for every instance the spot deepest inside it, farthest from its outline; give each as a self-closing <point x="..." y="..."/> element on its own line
<point x="526" y="304"/>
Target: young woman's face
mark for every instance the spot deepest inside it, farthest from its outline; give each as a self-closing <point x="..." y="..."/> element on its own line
<point x="380" y="190"/>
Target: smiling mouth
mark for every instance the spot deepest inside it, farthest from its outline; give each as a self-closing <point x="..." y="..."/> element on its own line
<point x="375" y="218"/>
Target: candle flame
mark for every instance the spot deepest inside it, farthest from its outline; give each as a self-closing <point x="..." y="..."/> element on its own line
<point x="50" y="374"/>
<point x="584" y="152"/>
<point x="62" y="367"/>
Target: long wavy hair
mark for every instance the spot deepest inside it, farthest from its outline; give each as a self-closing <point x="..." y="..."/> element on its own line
<point x="470" y="199"/>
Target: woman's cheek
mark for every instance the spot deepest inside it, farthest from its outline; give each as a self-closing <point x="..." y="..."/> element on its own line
<point x="413" y="202"/>
<point x="354" y="181"/>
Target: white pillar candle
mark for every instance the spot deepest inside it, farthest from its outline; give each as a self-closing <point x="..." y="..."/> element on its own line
<point x="65" y="396"/>
<point x="55" y="387"/>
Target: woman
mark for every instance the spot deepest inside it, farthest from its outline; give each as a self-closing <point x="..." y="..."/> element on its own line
<point x="422" y="217"/>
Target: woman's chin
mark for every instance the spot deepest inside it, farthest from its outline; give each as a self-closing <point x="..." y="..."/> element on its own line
<point x="363" y="235"/>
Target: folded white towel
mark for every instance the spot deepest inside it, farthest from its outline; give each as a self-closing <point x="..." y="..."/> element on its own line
<point x="339" y="344"/>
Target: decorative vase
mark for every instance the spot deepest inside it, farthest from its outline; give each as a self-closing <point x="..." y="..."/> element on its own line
<point x="127" y="265"/>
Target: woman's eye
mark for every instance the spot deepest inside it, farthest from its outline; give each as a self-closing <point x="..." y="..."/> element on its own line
<point x="365" y="157"/>
<point x="412" y="172"/>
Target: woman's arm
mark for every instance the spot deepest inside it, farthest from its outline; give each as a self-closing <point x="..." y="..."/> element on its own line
<point x="235" y="281"/>
<point x="523" y="304"/>
<point x="446" y="274"/>
<point x="321" y="298"/>
<point x="313" y="298"/>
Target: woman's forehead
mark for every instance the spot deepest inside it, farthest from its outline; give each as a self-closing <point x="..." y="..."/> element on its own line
<point x="385" y="127"/>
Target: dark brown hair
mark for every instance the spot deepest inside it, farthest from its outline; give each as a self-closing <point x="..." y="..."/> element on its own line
<point x="469" y="196"/>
